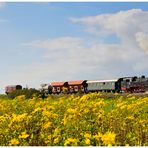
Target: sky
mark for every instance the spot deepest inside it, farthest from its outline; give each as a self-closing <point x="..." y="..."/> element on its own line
<point x="62" y="41"/>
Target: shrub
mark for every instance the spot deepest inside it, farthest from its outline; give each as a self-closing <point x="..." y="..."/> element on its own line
<point x="3" y="96"/>
<point x="28" y="93"/>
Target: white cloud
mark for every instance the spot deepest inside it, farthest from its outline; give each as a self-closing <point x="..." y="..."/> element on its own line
<point x="55" y="44"/>
<point x="123" y="24"/>
<point x="71" y="58"/>
<point x="142" y="40"/>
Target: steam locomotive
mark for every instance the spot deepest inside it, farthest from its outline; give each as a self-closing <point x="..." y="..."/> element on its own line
<point x="125" y="84"/>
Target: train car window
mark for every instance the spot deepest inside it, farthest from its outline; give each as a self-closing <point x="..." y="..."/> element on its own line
<point x="76" y="88"/>
<point x="103" y="83"/>
<point x="54" y="89"/>
<point x="58" y="89"/>
<point x="71" y="89"/>
<point x="82" y="88"/>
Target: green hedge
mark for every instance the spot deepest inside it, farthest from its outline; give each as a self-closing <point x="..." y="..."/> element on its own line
<point x="29" y="93"/>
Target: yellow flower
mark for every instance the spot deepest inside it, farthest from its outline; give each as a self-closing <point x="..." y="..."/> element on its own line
<point x="57" y="130"/>
<point x="18" y="118"/>
<point x="47" y="125"/>
<point x="20" y="98"/>
<point x="61" y="102"/>
<point x="85" y="111"/>
<point x="2" y="118"/>
<point x="49" y="137"/>
<point x="120" y="104"/>
<point x="46" y="113"/>
<point x="87" y="141"/>
<point x="100" y="103"/>
<point x="37" y="109"/>
<point x="47" y="141"/>
<point x="130" y="118"/>
<point x="108" y="138"/>
<point x="56" y="140"/>
<point x="70" y="141"/>
<point x="50" y="107"/>
<point x="65" y="120"/>
<point x="24" y="135"/>
<point x="87" y="135"/>
<point x="84" y="98"/>
<point x="98" y="136"/>
<point x="123" y="107"/>
<point x="71" y="110"/>
<point x="14" y="142"/>
<point x="127" y="145"/>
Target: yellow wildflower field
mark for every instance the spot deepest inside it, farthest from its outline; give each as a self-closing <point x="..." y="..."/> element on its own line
<point x="75" y="120"/>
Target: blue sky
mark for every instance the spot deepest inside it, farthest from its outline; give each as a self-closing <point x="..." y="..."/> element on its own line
<point x="45" y="42"/>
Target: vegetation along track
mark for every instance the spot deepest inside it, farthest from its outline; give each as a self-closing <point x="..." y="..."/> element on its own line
<point x="95" y="119"/>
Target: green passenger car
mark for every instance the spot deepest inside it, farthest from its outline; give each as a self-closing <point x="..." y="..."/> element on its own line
<point x="102" y="85"/>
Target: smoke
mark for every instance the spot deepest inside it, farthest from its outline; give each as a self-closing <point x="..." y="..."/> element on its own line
<point x="142" y="40"/>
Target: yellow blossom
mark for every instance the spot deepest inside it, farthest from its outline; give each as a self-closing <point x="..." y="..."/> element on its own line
<point x="46" y="113"/>
<point x="71" y="110"/>
<point x="98" y="136"/>
<point x="47" y="141"/>
<point x="100" y="103"/>
<point x="85" y="111"/>
<point x="87" y="135"/>
<point x="84" y="98"/>
<point x="65" y="120"/>
<point x="120" y="104"/>
<point x="108" y="138"/>
<point x="37" y="109"/>
<point x="56" y="140"/>
<point x="18" y="118"/>
<point x="20" y="98"/>
<point x="24" y="135"/>
<point x="49" y="137"/>
<point x="87" y="141"/>
<point x="47" y="125"/>
<point x="14" y="142"/>
<point x="70" y="141"/>
<point x="61" y="102"/>
<point x="130" y="118"/>
<point x="57" y="130"/>
<point x="123" y="107"/>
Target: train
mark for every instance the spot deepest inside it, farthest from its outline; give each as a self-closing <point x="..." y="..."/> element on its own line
<point x="132" y="84"/>
<point x="120" y="85"/>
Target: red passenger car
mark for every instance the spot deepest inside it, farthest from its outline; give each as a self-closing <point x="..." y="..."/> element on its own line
<point x="77" y="86"/>
<point x="58" y="87"/>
